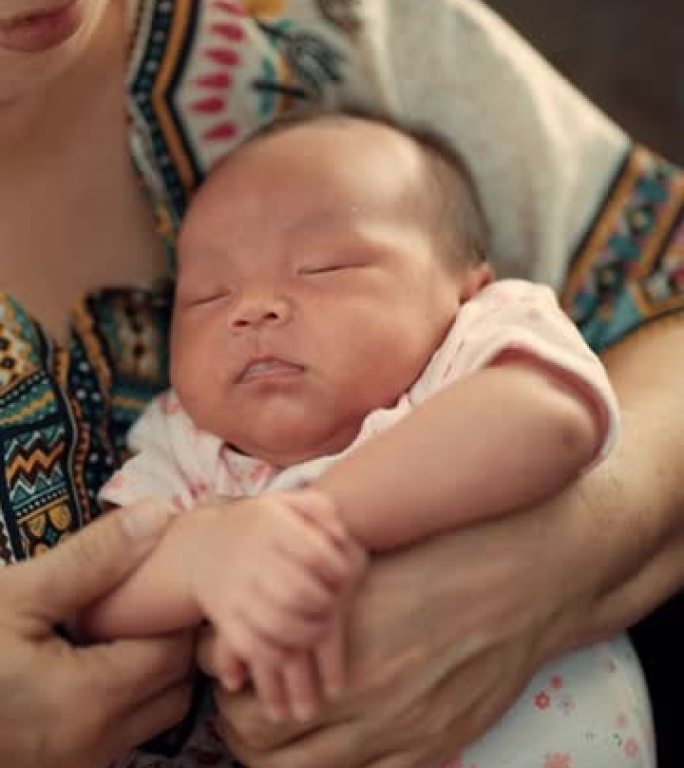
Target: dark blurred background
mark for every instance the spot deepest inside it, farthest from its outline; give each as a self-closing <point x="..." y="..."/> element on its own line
<point x="626" y="55"/>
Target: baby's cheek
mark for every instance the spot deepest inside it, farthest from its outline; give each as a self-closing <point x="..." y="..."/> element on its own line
<point x="194" y="390"/>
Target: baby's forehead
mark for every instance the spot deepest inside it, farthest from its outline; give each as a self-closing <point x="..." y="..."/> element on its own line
<point x="313" y="176"/>
<point x="345" y="137"/>
<point x="298" y="152"/>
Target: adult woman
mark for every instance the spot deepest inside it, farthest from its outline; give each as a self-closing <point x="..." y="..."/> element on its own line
<point x="203" y="75"/>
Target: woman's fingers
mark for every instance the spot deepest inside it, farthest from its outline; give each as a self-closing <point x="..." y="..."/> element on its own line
<point x="53" y="587"/>
<point x="129" y="671"/>
<point x="257" y="731"/>
<point x="336" y="745"/>
<point x="419" y="732"/>
<point x="210" y="651"/>
<point x="154" y="715"/>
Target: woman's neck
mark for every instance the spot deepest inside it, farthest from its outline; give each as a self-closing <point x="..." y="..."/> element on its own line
<point x="37" y="118"/>
<point x="74" y="217"/>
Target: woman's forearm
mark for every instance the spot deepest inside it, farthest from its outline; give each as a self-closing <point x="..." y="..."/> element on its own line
<point x="631" y="509"/>
<point x="647" y="371"/>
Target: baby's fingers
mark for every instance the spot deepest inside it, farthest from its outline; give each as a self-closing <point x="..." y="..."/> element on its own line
<point x="251" y="644"/>
<point x="232" y="672"/>
<point x="301" y="686"/>
<point x="357" y="559"/>
<point x="330" y="658"/>
<point x="318" y="508"/>
<point x="270" y="690"/>
<point x="309" y="547"/>
<point x="283" y="626"/>
<point x="294" y="588"/>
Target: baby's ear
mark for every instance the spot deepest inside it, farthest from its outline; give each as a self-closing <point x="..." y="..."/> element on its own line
<point x="475" y="278"/>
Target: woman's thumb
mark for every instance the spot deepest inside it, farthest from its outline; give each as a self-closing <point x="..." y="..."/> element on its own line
<point x="88" y="565"/>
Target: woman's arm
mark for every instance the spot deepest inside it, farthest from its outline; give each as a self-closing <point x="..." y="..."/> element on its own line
<point x="642" y="485"/>
<point x="480" y="610"/>
<point x="499" y="440"/>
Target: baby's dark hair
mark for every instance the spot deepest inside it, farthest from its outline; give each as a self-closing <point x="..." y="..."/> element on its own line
<point x="455" y="211"/>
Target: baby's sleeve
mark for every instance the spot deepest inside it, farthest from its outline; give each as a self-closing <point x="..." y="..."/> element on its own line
<point x="523" y="321"/>
<point x="163" y="464"/>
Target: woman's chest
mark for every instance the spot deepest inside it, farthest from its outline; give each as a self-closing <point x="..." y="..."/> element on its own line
<point x="66" y="232"/>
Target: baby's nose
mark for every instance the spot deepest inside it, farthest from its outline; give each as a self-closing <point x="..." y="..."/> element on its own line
<point x="256" y="311"/>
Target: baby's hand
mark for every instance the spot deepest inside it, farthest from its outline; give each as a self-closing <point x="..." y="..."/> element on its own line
<point x="295" y="688"/>
<point x="275" y="585"/>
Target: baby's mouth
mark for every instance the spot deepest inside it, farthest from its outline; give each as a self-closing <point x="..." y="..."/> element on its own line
<point x="269" y="368"/>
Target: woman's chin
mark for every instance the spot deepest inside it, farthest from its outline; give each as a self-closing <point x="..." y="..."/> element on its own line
<point x="37" y="51"/>
<point x="48" y="27"/>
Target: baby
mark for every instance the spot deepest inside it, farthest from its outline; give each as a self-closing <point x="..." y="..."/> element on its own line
<point x="334" y="306"/>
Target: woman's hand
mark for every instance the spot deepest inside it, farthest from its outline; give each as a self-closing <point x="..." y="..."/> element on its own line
<point x="71" y="707"/>
<point x="443" y="638"/>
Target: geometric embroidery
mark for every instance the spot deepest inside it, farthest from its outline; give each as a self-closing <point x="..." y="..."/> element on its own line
<point x="17" y="341"/>
<point x="346" y="14"/>
<point x="26" y="400"/>
<point x="135" y="328"/>
<point x="204" y="76"/>
<point x="130" y="323"/>
<point x="37" y="487"/>
<point x="14" y="361"/>
<point x="630" y="266"/>
<point x="161" y="143"/>
<point x="33" y="465"/>
<point x="312" y="60"/>
<point x="663" y="286"/>
<point x="64" y="415"/>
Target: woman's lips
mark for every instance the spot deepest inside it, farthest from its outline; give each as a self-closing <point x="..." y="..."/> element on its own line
<point x="42" y="29"/>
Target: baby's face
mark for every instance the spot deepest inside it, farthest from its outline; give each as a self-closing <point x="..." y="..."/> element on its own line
<point x="308" y="293"/>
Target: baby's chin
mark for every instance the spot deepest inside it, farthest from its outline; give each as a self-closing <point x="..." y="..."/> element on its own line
<point x="282" y="447"/>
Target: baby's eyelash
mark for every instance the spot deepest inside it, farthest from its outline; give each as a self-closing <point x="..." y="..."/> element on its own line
<point x="322" y="269"/>
<point x="199" y="301"/>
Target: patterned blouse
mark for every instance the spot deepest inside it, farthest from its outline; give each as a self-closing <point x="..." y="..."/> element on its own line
<point x="203" y="75"/>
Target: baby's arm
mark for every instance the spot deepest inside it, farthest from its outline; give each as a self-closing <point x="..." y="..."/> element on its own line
<point x="497" y="441"/>
<point x="506" y="435"/>
<point x="270" y="573"/>
<point x="263" y="569"/>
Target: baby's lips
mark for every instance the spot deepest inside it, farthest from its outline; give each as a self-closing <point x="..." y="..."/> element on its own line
<point x="268" y="367"/>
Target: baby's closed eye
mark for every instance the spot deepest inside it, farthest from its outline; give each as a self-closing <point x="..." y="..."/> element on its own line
<point x="329" y="267"/>
<point x="316" y="267"/>
<point x="204" y="298"/>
